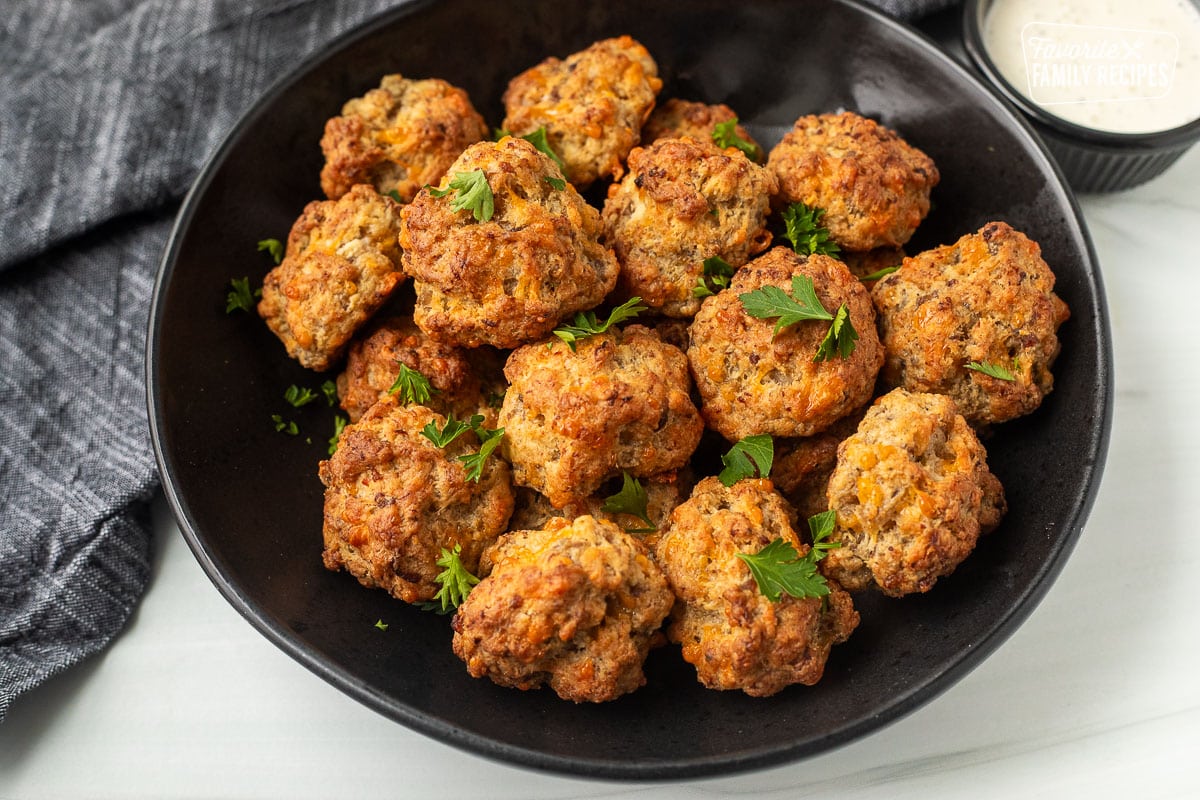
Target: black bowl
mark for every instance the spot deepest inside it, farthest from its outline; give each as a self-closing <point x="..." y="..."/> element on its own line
<point x="1092" y="160"/>
<point x="249" y="502"/>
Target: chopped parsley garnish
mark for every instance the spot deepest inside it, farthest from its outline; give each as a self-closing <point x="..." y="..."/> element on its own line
<point x="751" y="457"/>
<point x="339" y="425"/>
<point x="240" y="298"/>
<point x="725" y="134"/>
<point x="632" y="500"/>
<point x="411" y="386"/>
<point x="495" y="399"/>
<point x="329" y="389"/>
<point x="450" y="431"/>
<point x="274" y="247"/>
<point x="993" y="370"/>
<point x="539" y="140"/>
<point x="771" y="302"/>
<point x="383" y="626"/>
<point x="297" y="397"/>
<point x="779" y="568"/>
<point x="489" y="440"/>
<point x="472" y="193"/>
<point x="585" y="323"/>
<point x="455" y="579"/>
<point x="395" y="195"/>
<point x="805" y="232"/>
<point x="717" y="273"/>
<point x="880" y="273"/>
<point x="285" y="426"/>
<point x="557" y="184"/>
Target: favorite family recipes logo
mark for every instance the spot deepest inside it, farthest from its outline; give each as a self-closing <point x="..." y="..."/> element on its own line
<point x="1087" y="63"/>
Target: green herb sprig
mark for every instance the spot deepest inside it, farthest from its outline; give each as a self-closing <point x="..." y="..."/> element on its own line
<point x="411" y="386"/>
<point x="472" y="192"/>
<point x="298" y="397"/>
<point x="724" y="134"/>
<point x="632" y="500"/>
<point x="802" y="224"/>
<point x="771" y="302"/>
<point x="586" y="324"/>
<point x="717" y="272"/>
<point x="339" y="425"/>
<point x="750" y="457"/>
<point x="240" y="296"/>
<point x="455" y="579"/>
<point x="778" y="568"/>
<point x="993" y="370"/>
<point x="273" y="247"/>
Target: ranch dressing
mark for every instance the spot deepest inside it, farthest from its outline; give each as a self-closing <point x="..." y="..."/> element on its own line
<point x="1124" y="66"/>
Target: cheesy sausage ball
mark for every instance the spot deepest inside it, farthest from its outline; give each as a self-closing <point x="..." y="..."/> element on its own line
<point x="987" y="300"/>
<point x="873" y="186"/>
<point x="398" y="137"/>
<point x="676" y="119"/>
<point x="342" y="262"/>
<point x="734" y="636"/>
<point x="394" y="499"/>
<point x="681" y="202"/>
<point x="912" y="492"/>
<point x="573" y="605"/>
<point x="592" y="105"/>
<point x="618" y="401"/>
<point x="373" y="363"/>
<point x="511" y="278"/>
<point x="753" y="380"/>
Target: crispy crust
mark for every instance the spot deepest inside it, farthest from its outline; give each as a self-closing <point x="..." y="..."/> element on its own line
<point x="592" y="104"/>
<point x="873" y="186"/>
<point x="734" y="636"/>
<point x="676" y="119"/>
<point x="341" y="264"/>
<point x="573" y="605"/>
<point x="398" y="137"/>
<point x="681" y="202"/>
<point x="987" y="298"/>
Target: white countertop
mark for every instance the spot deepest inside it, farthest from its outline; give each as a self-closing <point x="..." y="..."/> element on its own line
<point x="1097" y="695"/>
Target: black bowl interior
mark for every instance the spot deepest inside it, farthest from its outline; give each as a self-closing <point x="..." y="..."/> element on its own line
<point x="249" y="502"/>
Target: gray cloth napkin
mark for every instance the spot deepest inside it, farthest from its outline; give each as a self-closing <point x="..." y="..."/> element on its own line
<point x="108" y="109"/>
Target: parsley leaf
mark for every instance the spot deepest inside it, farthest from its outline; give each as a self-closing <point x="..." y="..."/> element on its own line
<point x="499" y="133"/>
<point x="820" y="526"/>
<point x="329" y="389"/>
<point x="557" y="184"/>
<point x="539" y="140"/>
<point x="805" y="232"/>
<point x="839" y="339"/>
<point x="585" y="323"/>
<point x="717" y="272"/>
<point x="724" y="134"/>
<point x="770" y="302"/>
<point x="489" y="439"/>
<point x="632" y="500"/>
<point x="993" y="370"/>
<point x="298" y="397"/>
<point x="879" y="273"/>
<point x="472" y="192"/>
<point x="339" y="425"/>
<point x="395" y="195"/>
<point x="750" y="457"/>
<point x="383" y="626"/>
<point x="778" y="568"/>
<point x="274" y="247"/>
<point x="240" y="298"/>
<point x="450" y="431"/>
<point x="285" y="426"/>
<point x="455" y="579"/>
<point x="412" y="386"/>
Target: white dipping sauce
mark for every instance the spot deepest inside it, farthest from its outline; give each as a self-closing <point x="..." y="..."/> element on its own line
<point x="1124" y="66"/>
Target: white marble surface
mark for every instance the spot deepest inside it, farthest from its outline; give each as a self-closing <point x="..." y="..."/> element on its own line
<point x="1097" y="695"/>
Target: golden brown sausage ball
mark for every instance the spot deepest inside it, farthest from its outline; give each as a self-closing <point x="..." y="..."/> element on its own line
<point x="373" y="362"/>
<point x="734" y="636"/>
<point x="681" y="202"/>
<point x="573" y="605"/>
<point x="394" y="500"/>
<point x="753" y="381"/>
<point x="573" y="418"/>
<point x="676" y="119"/>
<point x="987" y="299"/>
<point x="592" y="105"/>
<point x="342" y="262"/>
<point x="398" y="137"/>
<point x="802" y="467"/>
<point x="912" y="492"/>
<point x="873" y="186"/>
<point x="512" y="278"/>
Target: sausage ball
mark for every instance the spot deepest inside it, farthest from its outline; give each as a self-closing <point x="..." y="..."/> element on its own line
<point x="681" y="202"/>
<point x="398" y="137"/>
<point x="373" y="364"/>
<point x="511" y="278"/>
<point x="573" y="605"/>
<point x="676" y="119"/>
<point x="592" y="105"/>
<point x="986" y="300"/>
<point x="734" y="636"/>
<point x="394" y="500"/>
<point x="342" y="262"/>
<point x="873" y="186"/>
<point x="912" y="492"/>
<point x="574" y="418"/>
<point x="753" y="380"/>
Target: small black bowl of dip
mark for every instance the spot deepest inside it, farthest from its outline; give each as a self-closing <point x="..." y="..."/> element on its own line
<point x="1093" y="159"/>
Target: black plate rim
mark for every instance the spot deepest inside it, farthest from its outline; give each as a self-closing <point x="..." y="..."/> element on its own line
<point x="659" y="769"/>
